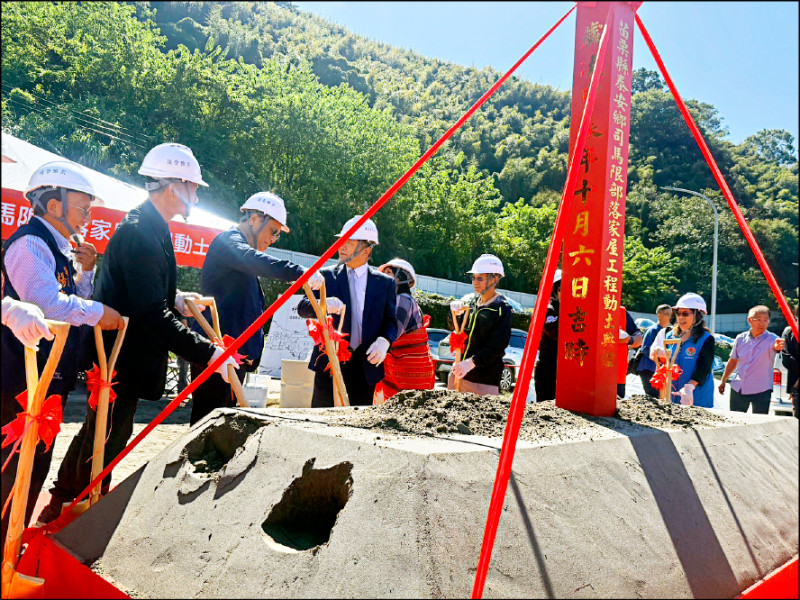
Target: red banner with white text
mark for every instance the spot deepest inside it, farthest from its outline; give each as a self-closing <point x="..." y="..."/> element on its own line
<point x="189" y="241"/>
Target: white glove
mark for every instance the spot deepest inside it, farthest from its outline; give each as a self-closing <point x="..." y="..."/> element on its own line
<point x="315" y="281"/>
<point x="686" y="394"/>
<point x="624" y="336"/>
<point x="180" y="302"/>
<point x="376" y="353"/>
<point x="457" y="306"/>
<point x="26" y="321"/>
<point x="333" y="305"/>
<point x="223" y="368"/>
<point x="462" y="368"/>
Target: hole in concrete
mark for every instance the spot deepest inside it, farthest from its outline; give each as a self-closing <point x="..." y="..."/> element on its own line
<point x="216" y="445"/>
<point x="307" y="512"/>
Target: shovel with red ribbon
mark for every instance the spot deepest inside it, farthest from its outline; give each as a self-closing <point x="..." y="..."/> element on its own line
<point x="41" y="420"/>
<point x="458" y="340"/>
<point x="215" y="335"/>
<point x="323" y="331"/>
<point x="662" y="378"/>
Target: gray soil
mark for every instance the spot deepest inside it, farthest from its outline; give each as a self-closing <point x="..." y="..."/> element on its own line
<point x="444" y="412"/>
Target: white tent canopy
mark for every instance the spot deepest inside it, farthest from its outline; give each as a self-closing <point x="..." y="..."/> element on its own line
<point x="115" y="194"/>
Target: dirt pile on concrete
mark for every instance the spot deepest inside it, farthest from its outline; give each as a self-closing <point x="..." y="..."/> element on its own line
<point x="444" y="412"/>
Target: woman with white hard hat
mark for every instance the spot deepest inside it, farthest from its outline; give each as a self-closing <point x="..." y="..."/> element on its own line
<point x="544" y="371"/>
<point x="695" y="386"/>
<point x="408" y="364"/>
<point x="138" y="277"/>
<point x="235" y="261"/>
<point x="47" y="275"/>
<point x="488" y="330"/>
<point x="368" y="299"/>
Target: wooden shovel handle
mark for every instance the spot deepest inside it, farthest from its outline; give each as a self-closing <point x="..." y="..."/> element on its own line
<point x="339" y="391"/>
<point x="216" y="336"/>
<point x="22" y="482"/>
<point x="101" y="416"/>
<point x="458" y="327"/>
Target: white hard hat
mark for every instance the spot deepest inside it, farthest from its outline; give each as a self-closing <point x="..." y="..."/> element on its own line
<point x="172" y="161"/>
<point x="557" y="276"/>
<point x="270" y="204"/>
<point x="488" y="263"/>
<point x="368" y="232"/>
<point x="402" y="264"/>
<point x="693" y="301"/>
<point x="60" y="174"/>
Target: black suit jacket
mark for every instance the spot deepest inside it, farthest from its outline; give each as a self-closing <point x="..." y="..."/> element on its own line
<point x="378" y="320"/>
<point x="138" y="278"/>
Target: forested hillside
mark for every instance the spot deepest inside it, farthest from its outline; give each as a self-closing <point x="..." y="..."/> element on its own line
<point x="269" y="97"/>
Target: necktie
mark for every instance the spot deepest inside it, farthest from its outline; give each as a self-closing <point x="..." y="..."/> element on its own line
<point x="356" y="310"/>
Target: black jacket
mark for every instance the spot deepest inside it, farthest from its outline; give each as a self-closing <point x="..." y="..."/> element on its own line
<point x="488" y="332"/>
<point x="138" y="278"/>
<point x="379" y="318"/>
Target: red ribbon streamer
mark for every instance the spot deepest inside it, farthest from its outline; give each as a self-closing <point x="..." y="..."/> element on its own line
<point x="659" y="378"/>
<point x="315" y="331"/>
<point x="457" y="342"/>
<point x="95" y="383"/>
<point x="49" y="421"/>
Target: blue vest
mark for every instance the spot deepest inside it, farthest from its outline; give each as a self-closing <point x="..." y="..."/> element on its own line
<point x="687" y="360"/>
<point x="13" y="364"/>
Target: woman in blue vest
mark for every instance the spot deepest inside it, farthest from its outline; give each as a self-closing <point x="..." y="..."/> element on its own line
<point x="695" y="386"/>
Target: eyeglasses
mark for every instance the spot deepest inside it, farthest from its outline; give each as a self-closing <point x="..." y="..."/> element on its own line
<point x="85" y="212"/>
<point x="275" y="233"/>
<point x="685" y="313"/>
<point x="480" y="278"/>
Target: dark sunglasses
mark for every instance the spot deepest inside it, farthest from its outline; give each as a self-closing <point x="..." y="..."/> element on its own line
<point x="685" y="313"/>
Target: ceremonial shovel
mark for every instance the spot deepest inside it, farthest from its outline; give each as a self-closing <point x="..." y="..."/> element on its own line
<point x="459" y="329"/>
<point x="15" y="584"/>
<point x="215" y="335"/>
<point x="672" y="356"/>
<point x="339" y="391"/>
<point x="101" y="418"/>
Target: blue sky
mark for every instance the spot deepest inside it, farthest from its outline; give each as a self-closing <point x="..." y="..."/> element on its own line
<point x="742" y="57"/>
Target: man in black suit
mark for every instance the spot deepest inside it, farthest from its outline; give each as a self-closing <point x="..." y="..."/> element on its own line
<point x="139" y="279"/>
<point x="370" y="320"/>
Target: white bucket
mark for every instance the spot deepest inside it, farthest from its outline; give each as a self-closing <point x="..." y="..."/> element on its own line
<point x="297" y="384"/>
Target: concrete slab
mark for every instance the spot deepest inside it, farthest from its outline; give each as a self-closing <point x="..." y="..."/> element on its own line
<point x="281" y="503"/>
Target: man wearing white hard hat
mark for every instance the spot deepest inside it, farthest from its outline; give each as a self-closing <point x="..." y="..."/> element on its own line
<point x="45" y="277"/>
<point x="695" y="386"/>
<point x="544" y="371"/>
<point x="488" y="330"/>
<point x="235" y="260"/>
<point x="408" y="364"/>
<point x="138" y="277"/>
<point x="369" y="322"/>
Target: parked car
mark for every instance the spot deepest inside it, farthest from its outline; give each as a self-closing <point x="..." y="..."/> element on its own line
<point x="434" y="337"/>
<point x="512" y="359"/>
<point x="781" y="403"/>
<point x="644" y="324"/>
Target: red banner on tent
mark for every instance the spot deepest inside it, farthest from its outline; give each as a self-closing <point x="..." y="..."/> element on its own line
<point x="190" y="242"/>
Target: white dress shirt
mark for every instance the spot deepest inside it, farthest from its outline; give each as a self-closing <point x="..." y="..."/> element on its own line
<point x="31" y="270"/>
<point x="357" y="283"/>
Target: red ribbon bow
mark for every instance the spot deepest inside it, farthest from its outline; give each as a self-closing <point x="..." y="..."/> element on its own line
<point x="226" y="342"/>
<point x="315" y="331"/>
<point x="95" y="383"/>
<point x="49" y="421"/>
<point x="457" y="342"/>
<point x="659" y="378"/>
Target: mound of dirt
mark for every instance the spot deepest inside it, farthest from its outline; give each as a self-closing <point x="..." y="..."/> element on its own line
<point x="444" y="412"/>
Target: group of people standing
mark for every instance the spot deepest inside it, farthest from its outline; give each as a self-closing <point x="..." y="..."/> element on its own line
<point x="49" y="272"/>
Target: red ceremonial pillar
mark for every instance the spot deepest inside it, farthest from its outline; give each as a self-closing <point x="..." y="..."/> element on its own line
<point x="592" y="260"/>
